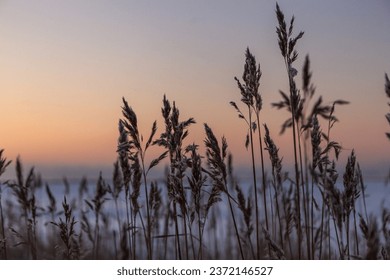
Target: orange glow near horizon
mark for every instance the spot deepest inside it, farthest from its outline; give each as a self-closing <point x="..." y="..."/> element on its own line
<point x="62" y="80"/>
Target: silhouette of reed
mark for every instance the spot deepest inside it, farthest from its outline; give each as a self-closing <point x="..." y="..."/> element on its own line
<point x="199" y="208"/>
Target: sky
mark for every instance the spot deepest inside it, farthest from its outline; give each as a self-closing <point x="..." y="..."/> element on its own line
<point x="65" y="66"/>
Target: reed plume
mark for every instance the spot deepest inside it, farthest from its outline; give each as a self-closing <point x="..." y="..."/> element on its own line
<point x="171" y="139"/>
<point x="217" y="171"/>
<point x="251" y="97"/>
<point x="287" y="47"/>
<point x="68" y="233"/>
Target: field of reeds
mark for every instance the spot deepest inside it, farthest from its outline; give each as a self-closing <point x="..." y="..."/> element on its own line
<point x="199" y="208"/>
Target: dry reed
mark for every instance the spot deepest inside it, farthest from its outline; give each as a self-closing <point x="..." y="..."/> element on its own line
<point x="308" y="214"/>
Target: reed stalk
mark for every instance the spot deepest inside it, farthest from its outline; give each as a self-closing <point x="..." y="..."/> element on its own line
<point x="4" y="163"/>
<point x="216" y="157"/>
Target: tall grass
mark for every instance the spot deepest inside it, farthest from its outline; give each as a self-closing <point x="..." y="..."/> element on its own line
<point x="251" y="97"/>
<point x="3" y="242"/>
<point x="199" y="208"/>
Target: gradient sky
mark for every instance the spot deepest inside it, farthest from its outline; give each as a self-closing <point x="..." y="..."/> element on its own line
<point x="65" y="65"/>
